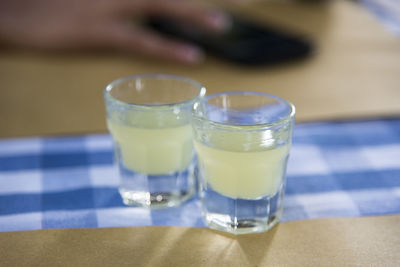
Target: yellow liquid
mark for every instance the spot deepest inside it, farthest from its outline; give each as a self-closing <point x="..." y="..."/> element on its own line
<point x="247" y="175"/>
<point x="153" y="151"/>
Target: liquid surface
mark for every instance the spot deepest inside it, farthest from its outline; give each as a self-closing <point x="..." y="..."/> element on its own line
<point x="153" y="151"/>
<point x="245" y="175"/>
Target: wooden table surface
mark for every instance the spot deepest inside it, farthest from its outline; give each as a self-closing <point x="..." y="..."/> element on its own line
<point x="370" y="241"/>
<point x="355" y="73"/>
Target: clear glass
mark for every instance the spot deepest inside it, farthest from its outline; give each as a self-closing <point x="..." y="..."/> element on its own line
<point x="149" y="119"/>
<point x="242" y="140"/>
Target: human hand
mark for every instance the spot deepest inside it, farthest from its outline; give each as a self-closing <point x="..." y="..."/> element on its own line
<point x="99" y="24"/>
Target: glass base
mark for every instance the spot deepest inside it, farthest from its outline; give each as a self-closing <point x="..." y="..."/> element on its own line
<point x="237" y="227"/>
<point x="158" y="200"/>
<point x="156" y="191"/>
<point x="241" y="216"/>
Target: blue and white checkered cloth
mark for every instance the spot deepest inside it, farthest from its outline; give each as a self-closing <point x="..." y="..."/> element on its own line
<point x="336" y="169"/>
<point x="388" y="11"/>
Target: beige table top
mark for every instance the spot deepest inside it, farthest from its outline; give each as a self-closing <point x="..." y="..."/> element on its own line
<point x="354" y="73"/>
<point x="369" y="241"/>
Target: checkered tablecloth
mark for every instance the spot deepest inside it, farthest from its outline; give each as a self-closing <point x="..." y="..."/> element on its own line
<point x="336" y="169"/>
<point x="387" y="11"/>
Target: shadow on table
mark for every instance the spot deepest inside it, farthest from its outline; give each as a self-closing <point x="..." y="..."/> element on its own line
<point x="213" y="248"/>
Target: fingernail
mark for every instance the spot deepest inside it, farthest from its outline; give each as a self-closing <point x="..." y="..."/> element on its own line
<point x="192" y="55"/>
<point x="219" y="20"/>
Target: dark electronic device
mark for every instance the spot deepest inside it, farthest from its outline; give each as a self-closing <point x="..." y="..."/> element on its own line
<point x="246" y="42"/>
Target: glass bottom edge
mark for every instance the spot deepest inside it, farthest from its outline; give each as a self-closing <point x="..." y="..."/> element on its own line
<point x="154" y="200"/>
<point x="243" y="226"/>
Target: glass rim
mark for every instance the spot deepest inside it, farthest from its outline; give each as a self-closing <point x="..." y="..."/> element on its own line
<point x="107" y="91"/>
<point x="245" y="127"/>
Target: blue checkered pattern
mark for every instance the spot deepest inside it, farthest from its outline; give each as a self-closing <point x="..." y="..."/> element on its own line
<point x="388" y="11"/>
<point x="336" y="169"/>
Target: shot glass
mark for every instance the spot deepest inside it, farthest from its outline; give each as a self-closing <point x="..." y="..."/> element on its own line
<point x="148" y="117"/>
<point x="242" y="140"/>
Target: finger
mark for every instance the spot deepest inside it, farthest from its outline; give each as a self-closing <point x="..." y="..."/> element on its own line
<point x="186" y="11"/>
<point x="141" y="41"/>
